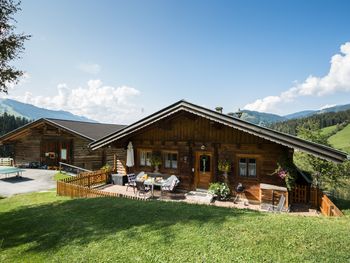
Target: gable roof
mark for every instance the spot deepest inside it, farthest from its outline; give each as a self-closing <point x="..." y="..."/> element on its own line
<point x="88" y="130"/>
<point x="290" y="141"/>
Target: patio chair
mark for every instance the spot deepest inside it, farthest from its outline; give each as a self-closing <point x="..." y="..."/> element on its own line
<point x="131" y="182"/>
<point x="140" y="175"/>
<point x="141" y="188"/>
<point x="277" y="208"/>
<point x="169" y="185"/>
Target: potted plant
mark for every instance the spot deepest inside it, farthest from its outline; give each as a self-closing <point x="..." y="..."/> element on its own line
<point x="224" y="166"/>
<point x="156" y="160"/>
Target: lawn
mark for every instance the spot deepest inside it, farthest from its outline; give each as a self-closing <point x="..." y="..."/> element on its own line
<point x="341" y="140"/>
<point x="41" y="227"/>
<point x="60" y="176"/>
<point x="328" y="130"/>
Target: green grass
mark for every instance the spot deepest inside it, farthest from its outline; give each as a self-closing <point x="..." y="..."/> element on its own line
<point x="341" y="140"/>
<point x="328" y="130"/>
<point x="41" y="227"/>
<point x="60" y="176"/>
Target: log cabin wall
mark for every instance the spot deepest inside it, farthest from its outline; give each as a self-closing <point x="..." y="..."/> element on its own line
<point x="120" y="154"/>
<point x="31" y="146"/>
<point x="27" y="149"/>
<point x="85" y="157"/>
<point x="186" y="134"/>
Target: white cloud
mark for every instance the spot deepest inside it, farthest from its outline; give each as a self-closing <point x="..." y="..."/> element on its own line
<point x="327" y="106"/>
<point x="90" y="68"/>
<point x="337" y="80"/>
<point x="95" y="101"/>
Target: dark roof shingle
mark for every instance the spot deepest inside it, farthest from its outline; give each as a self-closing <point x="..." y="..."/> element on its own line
<point x="90" y="130"/>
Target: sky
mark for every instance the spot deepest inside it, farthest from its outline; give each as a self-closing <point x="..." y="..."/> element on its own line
<point x="119" y="61"/>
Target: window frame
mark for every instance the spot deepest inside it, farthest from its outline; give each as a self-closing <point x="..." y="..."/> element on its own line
<point x="147" y="163"/>
<point x="247" y="158"/>
<point x="165" y="154"/>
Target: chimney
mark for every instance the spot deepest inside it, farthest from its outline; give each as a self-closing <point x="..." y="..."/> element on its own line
<point x="239" y="113"/>
<point x="219" y="109"/>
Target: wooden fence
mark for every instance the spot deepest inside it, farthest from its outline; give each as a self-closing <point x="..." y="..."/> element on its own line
<point x="89" y="179"/>
<point x="316" y="198"/>
<point x="299" y="194"/>
<point x="81" y="186"/>
<point x="327" y="207"/>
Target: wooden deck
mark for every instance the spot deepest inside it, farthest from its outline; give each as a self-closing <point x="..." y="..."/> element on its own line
<point x="181" y="197"/>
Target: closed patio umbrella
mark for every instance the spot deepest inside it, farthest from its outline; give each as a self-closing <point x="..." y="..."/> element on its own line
<point x="130" y="155"/>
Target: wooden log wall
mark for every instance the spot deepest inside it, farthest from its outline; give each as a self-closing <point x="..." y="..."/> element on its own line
<point x="120" y="154"/>
<point x="187" y="133"/>
<point x="27" y="149"/>
<point x="85" y="157"/>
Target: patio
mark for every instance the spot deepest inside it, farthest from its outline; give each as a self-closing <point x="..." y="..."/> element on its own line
<point x="199" y="198"/>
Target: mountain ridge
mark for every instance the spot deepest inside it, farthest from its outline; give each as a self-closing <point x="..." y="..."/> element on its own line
<point x="31" y="112"/>
<point x="262" y="118"/>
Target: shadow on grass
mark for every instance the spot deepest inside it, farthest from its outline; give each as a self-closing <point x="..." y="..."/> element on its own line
<point x="86" y="220"/>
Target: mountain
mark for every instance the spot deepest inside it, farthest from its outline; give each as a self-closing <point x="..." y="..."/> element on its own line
<point x="308" y="113"/>
<point x="269" y="118"/>
<point x="261" y="118"/>
<point x="32" y="112"/>
<point x="300" y="114"/>
<point x="335" y="108"/>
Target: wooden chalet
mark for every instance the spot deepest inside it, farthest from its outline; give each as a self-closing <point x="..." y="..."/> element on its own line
<point x="46" y="142"/>
<point x="192" y="139"/>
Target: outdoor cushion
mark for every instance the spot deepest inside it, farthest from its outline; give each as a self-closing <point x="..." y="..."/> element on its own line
<point x="140" y="175"/>
<point x="170" y="183"/>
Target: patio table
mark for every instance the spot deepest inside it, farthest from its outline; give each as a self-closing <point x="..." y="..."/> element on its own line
<point x="151" y="182"/>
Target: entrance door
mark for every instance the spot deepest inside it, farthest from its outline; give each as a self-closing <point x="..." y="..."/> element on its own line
<point x="49" y="152"/>
<point x="204" y="169"/>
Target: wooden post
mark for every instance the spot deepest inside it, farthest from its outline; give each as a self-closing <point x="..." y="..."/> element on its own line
<point x="115" y="163"/>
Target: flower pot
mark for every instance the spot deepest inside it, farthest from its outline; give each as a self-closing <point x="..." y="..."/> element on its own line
<point x="156" y="169"/>
<point x="225" y="177"/>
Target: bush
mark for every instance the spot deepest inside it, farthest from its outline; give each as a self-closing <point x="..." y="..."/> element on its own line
<point x="221" y="190"/>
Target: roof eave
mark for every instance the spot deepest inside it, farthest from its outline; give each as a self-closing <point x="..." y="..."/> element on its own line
<point x="263" y="132"/>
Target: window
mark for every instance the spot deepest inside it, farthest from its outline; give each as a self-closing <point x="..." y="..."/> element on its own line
<point x="247" y="167"/>
<point x="63" y="154"/>
<point x="204" y="163"/>
<point x="145" y="157"/>
<point x="170" y="160"/>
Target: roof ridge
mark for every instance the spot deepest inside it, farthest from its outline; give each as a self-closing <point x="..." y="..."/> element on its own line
<point x="89" y="122"/>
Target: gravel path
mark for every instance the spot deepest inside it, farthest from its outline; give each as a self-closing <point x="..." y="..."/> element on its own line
<point x="32" y="180"/>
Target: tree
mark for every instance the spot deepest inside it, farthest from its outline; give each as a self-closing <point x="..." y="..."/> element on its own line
<point x="11" y="44"/>
<point x="325" y="174"/>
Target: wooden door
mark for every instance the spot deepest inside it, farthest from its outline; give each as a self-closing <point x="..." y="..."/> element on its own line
<point x="49" y="152"/>
<point x="203" y="169"/>
<point x="65" y="152"/>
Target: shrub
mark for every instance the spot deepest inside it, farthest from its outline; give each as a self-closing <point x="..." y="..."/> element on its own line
<point x="220" y="190"/>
